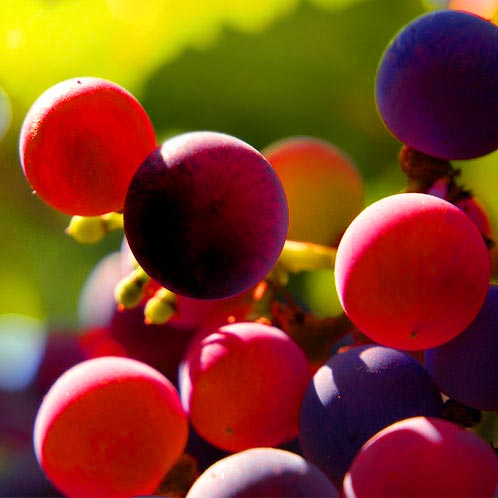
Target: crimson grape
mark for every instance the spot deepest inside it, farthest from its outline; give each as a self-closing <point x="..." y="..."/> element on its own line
<point x="322" y="183"/>
<point x="242" y="385"/>
<point x="356" y="394"/>
<point x="206" y="215"/>
<point x="423" y="456"/>
<point x="81" y="142"/>
<point x="466" y="368"/>
<point x="109" y="427"/>
<point x="412" y="271"/>
<point x="262" y="472"/>
<point x="436" y="85"/>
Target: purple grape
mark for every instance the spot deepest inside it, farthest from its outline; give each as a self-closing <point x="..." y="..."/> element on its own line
<point x="436" y="85"/>
<point x="206" y="215"/>
<point x="262" y="472"/>
<point x="356" y="394"/>
<point x="466" y="368"/>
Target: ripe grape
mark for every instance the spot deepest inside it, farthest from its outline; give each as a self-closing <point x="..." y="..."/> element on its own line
<point x="109" y="427"/>
<point x="242" y="385"/>
<point x="356" y="394"/>
<point x="262" y="472"/>
<point x="81" y="142"/>
<point x="412" y="271"/>
<point x="322" y="184"/>
<point x="206" y="216"/>
<point x="436" y="85"/>
<point x="423" y="456"/>
<point x="466" y="368"/>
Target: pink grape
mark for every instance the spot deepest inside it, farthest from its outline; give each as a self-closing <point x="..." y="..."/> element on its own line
<point x="412" y="271"/>
<point x="242" y="386"/>
<point x="206" y="215"/>
<point x="423" y="457"/>
<point x="109" y="427"/>
<point x="81" y="142"/>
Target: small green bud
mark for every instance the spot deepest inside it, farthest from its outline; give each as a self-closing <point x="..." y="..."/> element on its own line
<point x="86" y="229"/>
<point x="160" y="307"/>
<point x="129" y="290"/>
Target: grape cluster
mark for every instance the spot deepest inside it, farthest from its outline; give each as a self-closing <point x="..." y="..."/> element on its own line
<point x="199" y="373"/>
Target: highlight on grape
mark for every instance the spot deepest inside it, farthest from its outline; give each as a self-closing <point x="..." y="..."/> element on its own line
<point x="199" y="372"/>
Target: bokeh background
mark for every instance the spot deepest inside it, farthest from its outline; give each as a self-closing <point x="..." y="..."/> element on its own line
<point x="257" y="69"/>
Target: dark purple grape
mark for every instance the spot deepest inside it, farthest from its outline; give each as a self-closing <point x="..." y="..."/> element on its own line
<point x="263" y="473"/>
<point x="356" y="394"/>
<point x="436" y="85"/>
<point x="466" y="368"/>
<point x="206" y="215"/>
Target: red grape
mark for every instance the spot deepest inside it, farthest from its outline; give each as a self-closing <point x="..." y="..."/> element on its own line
<point x="206" y="216"/>
<point x="109" y="427"/>
<point x="412" y="271"/>
<point x="81" y="142"/>
<point x="423" y="456"/>
<point x="321" y="184"/>
<point x="242" y="385"/>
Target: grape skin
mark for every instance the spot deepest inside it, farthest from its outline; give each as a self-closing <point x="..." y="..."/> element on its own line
<point x="206" y="215"/>
<point x="80" y="143"/>
<point x="95" y="421"/>
<point x="423" y="456"/>
<point x="466" y="368"/>
<point x="262" y="472"/>
<point x="322" y="183"/>
<point x="356" y="394"/>
<point x="436" y="85"/>
<point x="242" y="385"/>
<point x="412" y="271"/>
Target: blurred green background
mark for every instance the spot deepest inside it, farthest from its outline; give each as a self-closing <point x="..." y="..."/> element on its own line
<point x="258" y="69"/>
